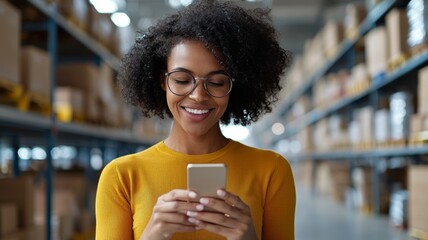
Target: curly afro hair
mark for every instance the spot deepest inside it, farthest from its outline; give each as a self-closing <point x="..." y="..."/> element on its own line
<point x="243" y="41"/>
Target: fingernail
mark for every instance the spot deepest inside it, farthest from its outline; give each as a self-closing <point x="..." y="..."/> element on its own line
<point x="199" y="207"/>
<point x="221" y="193"/>
<point x="198" y="227"/>
<point x="192" y="220"/>
<point x="204" y="201"/>
<point x="192" y="195"/>
<point x="191" y="214"/>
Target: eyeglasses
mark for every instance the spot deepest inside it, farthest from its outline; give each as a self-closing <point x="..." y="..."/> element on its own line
<point x="182" y="83"/>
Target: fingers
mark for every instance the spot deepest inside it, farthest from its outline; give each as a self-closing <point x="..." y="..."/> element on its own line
<point x="176" y="206"/>
<point x="178" y="195"/>
<point x="231" y="199"/>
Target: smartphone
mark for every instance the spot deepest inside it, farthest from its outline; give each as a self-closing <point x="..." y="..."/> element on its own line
<point x="206" y="179"/>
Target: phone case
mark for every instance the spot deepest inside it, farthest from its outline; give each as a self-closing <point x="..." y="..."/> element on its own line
<point x="205" y="179"/>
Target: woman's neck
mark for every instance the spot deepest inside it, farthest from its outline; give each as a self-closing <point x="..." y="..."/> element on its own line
<point x="196" y="145"/>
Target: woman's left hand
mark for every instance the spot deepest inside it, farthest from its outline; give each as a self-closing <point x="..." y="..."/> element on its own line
<point x="231" y="218"/>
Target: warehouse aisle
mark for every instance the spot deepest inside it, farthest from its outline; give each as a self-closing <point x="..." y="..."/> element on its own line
<point x="322" y="219"/>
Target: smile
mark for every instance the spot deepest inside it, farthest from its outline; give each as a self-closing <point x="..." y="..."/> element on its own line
<point x="196" y="111"/>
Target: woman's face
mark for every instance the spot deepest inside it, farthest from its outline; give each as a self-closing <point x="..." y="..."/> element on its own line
<point x="198" y="113"/>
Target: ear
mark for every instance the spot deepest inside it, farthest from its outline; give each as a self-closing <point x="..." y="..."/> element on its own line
<point x="163" y="82"/>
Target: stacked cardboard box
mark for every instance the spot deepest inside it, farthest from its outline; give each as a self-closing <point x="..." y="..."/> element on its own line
<point x="8" y="218"/>
<point x="109" y="105"/>
<point x="422" y="91"/>
<point x="355" y="14"/>
<point x="76" y="11"/>
<point x="85" y="77"/>
<point x="69" y="104"/>
<point x="377" y="46"/>
<point x="332" y="179"/>
<point x="332" y="38"/>
<point x="10" y="23"/>
<point x="418" y="197"/>
<point x="35" y="71"/>
<point x="20" y="192"/>
<point x="397" y="26"/>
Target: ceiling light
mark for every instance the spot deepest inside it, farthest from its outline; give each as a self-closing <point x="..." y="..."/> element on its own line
<point x="186" y="2"/>
<point x="174" y="3"/>
<point x="120" y="19"/>
<point x="108" y="6"/>
<point x="278" y="128"/>
<point x="235" y="132"/>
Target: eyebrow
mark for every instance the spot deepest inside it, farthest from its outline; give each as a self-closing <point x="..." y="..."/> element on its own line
<point x="191" y="72"/>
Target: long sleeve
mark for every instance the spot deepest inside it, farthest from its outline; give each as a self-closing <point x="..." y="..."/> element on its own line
<point x="113" y="211"/>
<point x="279" y="210"/>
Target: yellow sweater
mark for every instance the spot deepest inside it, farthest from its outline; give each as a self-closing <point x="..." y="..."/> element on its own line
<point x="129" y="187"/>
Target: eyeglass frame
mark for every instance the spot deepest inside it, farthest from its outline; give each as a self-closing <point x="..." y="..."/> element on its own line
<point x="167" y="74"/>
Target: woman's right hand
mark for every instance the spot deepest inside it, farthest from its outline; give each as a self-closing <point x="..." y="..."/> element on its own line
<point x="169" y="215"/>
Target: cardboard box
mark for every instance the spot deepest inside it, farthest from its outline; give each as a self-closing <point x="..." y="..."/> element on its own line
<point x="355" y="14"/>
<point x="422" y="91"/>
<point x="76" y="11"/>
<point x="332" y="37"/>
<point x="377" y="47"/>
<point x="397" y="26"/>
<point x="83" y="76"/>
<point x="417" y="123"/>
<point x="382" y="127"/>
<point x="36" y="70"/>
<point x="20" y="192"/>
<point x="10" y="41"/>
<point x="8" y="218"/>
<point x="418" y="198"/>
<point x="69" y="104"/>
<point x="109" y="105"/>
<point x="33" y="233"/>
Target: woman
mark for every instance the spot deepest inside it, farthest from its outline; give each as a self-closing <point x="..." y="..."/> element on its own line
<point x="211" y="63"/>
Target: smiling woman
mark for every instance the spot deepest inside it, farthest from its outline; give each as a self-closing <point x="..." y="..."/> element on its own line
<point x="212" y="63"/>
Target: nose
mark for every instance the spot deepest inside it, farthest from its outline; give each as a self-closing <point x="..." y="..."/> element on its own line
<point x="199" y="94"/>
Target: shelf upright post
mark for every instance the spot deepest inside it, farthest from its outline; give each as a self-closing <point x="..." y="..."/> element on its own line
<point x="16" y="158"/>
<point x="87" y="155"/>
<point x="52" y="49"/>
<point x="375" y="161"/>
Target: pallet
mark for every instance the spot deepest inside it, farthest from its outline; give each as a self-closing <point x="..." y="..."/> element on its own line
<point x="35" y="102"/>
<point x="419" y="138"/>
<point x="352" y="34"/>
<point x="332" y="52"/>
<point x="10" y="93"/>
<point x="418" y="49"/>
<point x="418" y="234"/>
<point x="397" y="62"/>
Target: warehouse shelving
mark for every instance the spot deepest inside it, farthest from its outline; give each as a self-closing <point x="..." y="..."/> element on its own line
<point x="374" y="17"/>
<point x="317" y="114"/>
<point x="401" y="77"/>
<point x="26" y="120"/>
<point x="31" y="129"/>
<point x="361" y="154"/>
<point x="51" y="11"/>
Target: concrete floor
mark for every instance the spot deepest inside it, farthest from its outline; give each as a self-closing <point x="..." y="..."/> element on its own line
<point x="319" y="218"/>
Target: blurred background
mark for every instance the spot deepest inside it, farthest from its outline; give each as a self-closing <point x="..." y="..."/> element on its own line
<point x="352" y="118"/>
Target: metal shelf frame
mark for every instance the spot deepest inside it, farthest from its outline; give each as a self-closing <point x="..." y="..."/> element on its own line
<point x="366" y="154"/>
<point x="316" y="114"/>
<point x="50" y="10"/>
<point x="373" y="18"/>
<point x="17" y="126"/>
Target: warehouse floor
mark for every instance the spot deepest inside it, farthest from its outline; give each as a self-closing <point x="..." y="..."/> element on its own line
<point x="323" y="219"/>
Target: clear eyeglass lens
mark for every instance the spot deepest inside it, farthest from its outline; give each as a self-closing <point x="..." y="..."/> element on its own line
<point x="182" y="83"/>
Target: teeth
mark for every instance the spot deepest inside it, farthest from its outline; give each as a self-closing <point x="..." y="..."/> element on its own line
<point x="196" y="111"/>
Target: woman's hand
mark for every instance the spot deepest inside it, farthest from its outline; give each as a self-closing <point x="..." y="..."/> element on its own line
<point x="232" y="220"/>
<point x="169" y="215"/>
